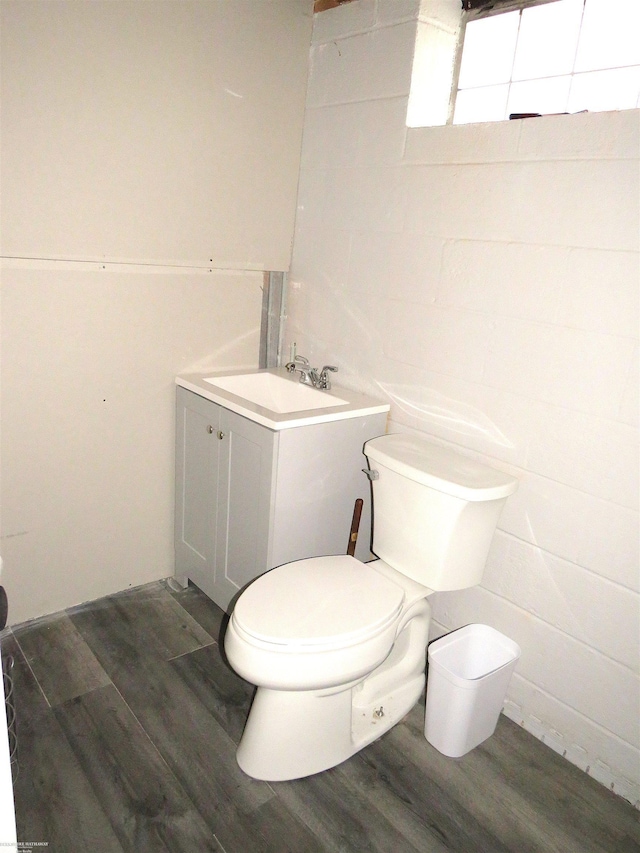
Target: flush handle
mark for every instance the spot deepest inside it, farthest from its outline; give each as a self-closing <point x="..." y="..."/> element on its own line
<point x="371" y="473"/>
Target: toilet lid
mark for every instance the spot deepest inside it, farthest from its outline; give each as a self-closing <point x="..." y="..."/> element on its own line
<point x="322" y="601"/>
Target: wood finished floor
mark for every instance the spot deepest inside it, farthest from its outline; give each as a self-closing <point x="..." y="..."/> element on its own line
<point x="128" y="720"/>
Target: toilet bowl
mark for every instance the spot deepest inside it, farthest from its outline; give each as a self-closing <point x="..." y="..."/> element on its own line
<point x="316" y="637"/>
<point x="336" y="647"/>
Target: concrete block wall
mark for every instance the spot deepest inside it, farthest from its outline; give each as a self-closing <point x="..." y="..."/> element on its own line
<point x="484" y="279"/>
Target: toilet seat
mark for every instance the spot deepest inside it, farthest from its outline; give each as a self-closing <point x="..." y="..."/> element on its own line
<point x="317" y="604"/>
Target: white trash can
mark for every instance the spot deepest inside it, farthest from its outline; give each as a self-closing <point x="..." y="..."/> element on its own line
<point x="469" y="672"/>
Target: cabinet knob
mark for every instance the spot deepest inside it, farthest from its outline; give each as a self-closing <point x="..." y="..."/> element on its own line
<point x="210" y="429"/>
<point x="220" y="435"/>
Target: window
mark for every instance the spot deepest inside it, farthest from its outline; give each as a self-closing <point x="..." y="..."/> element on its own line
<point x="565" y="56"/>
<point x="555" y="56"/>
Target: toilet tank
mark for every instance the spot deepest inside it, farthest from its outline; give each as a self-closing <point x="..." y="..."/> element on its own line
<point x="434" y="510"/>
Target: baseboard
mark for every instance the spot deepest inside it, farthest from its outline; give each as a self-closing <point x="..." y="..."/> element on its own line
<point x="595" y="768"/>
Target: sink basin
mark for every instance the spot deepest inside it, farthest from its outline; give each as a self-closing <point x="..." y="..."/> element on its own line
<point x="276" y="393"/>
<point x="277" y="400"/>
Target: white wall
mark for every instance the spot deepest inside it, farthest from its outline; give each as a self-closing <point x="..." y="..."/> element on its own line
<point x="89" y="358"/>
<point x="484" y="279"/>
<point x="191" y="109"/>
<point x="133" y="135"/>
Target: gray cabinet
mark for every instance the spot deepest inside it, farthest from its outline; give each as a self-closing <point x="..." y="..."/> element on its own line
<point x="224" y="473"/>
<point x="249" y="498"/>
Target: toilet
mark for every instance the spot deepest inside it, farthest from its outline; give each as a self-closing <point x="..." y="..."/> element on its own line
<point x="336" y="647"/>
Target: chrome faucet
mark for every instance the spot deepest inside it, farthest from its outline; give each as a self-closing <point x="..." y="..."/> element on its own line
<point x="310" y="375"/>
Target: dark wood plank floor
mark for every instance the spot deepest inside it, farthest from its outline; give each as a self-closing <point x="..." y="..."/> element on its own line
<point x="128" y="719"/>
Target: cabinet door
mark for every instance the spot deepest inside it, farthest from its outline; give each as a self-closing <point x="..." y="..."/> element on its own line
<point x="245" y="477"/>
<point x="197" y="449"/>
<point x="224" y="476"/>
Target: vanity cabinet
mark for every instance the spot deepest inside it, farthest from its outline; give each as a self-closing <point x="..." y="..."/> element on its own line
<point x="249" y="498"/>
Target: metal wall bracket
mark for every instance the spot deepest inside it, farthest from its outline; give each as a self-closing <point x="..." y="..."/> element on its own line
<point x="272" y="322"/>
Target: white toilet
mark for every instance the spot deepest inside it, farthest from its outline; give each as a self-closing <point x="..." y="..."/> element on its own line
<point x="336" y="647"/>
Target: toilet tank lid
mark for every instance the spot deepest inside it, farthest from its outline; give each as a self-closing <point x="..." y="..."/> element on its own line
<point x="440" y="468"/>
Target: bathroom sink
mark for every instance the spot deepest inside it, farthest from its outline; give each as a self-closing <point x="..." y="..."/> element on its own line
<point x="277" y="393"/>
<point x="276" y="399"/>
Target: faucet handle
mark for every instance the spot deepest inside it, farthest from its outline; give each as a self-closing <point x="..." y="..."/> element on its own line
<point x="292" y="366"/>
<point x="324" y="381"/>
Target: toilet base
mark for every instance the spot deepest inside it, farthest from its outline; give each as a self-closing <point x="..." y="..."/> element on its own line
<point x="291" y="735"/>
<point x="372" y="721"/>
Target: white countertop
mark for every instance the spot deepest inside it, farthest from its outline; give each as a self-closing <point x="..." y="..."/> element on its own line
<point x="354" y="404"/>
